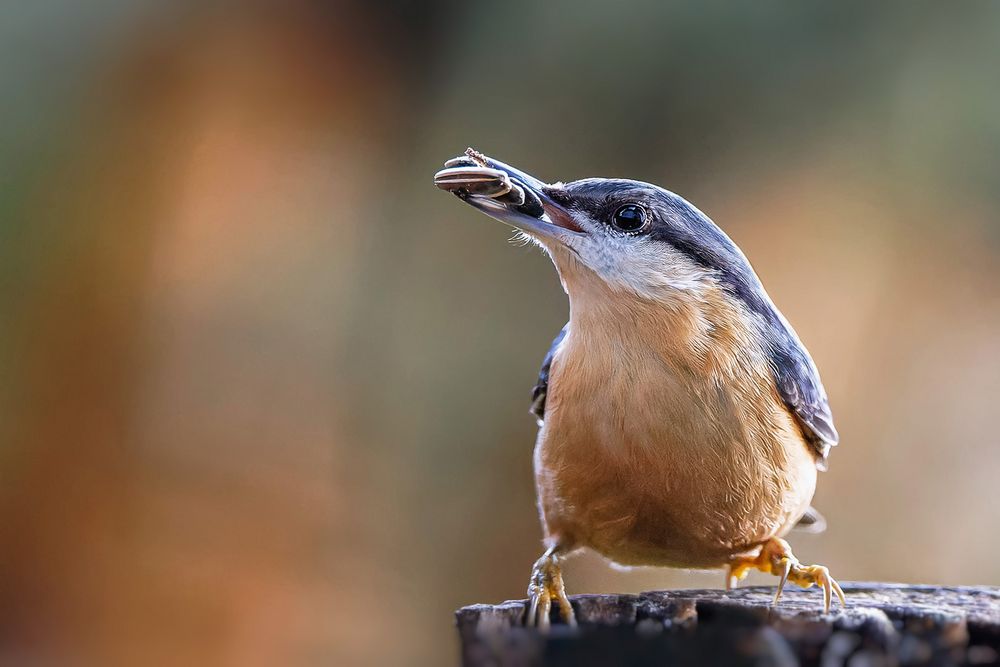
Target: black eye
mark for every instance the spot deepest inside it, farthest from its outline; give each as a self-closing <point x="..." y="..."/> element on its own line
<point x="629" y="218"/>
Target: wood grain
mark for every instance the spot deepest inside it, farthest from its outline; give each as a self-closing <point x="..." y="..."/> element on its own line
<point x="883" y="624"/>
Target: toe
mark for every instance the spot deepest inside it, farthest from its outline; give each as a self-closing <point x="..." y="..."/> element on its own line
<point x="531" y="619"/>
<point x="839" y="591"/>
<point x="827" y="592"/>
<point x="544" y="613"/>
<point x="566" y="611"/>
<point x="785" y="571"/>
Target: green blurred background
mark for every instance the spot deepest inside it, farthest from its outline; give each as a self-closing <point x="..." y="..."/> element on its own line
<point x="264" y="389"/>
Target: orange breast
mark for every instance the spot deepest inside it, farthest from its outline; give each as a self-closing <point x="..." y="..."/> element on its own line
<point x="664" y="440"/>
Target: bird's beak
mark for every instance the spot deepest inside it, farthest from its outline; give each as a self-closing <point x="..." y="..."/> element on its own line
<point x="509" y="195"/>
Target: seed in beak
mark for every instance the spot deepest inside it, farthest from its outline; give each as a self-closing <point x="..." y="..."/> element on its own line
<point x="479" y="181"/>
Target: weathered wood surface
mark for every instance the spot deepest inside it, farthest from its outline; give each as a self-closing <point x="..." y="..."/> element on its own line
<point x="883" y="624"/>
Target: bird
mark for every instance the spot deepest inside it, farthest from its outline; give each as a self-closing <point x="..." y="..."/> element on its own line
<point x="682" y="423"/>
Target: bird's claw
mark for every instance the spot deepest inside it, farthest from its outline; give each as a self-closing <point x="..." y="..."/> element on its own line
<point x="807" y="575"/>
<point x="776" y="558"/>
<point x="546" y="586"/>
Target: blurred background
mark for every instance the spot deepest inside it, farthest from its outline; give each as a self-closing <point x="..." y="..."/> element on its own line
<point x="264" y="389"/>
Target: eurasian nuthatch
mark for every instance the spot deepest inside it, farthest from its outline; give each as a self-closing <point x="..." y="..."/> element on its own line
<point x="682" y="421"/>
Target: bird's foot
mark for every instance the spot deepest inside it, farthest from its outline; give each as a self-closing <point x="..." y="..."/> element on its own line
<point x="776" y="558"/>
<point x="545" y="587"/>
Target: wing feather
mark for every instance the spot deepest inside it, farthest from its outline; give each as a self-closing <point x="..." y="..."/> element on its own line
<point x="541" y="388"/>
<point x="799" y="386"/>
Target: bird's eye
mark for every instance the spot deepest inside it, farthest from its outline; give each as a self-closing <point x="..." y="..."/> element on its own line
<point x="629" y="218"/>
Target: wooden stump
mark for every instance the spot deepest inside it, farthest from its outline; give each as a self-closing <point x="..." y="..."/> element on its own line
<point x="883" y="624"/>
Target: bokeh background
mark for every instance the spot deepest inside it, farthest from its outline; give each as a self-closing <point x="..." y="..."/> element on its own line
<point x="264" y="389"/>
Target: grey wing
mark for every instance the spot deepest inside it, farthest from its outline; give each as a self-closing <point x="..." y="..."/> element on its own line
<point x="799" y="385"/>
<point x="540" y="390"/>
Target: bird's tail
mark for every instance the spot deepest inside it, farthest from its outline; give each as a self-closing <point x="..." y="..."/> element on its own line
<point x="811" y="522"/>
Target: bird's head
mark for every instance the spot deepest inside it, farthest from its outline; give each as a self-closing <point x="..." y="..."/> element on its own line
<point x="634" y="256"/>
<point x="625" y="236"/>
